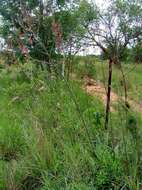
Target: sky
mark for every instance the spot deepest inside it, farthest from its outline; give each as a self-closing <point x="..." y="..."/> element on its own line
<point x="92" y="50"/>
<point x="100" y="3"/>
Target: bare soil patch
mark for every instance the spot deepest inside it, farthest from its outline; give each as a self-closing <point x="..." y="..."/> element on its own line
<point x="96" y="88"/>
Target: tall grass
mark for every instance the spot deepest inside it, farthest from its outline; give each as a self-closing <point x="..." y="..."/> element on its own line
<point x="52" y="137"/>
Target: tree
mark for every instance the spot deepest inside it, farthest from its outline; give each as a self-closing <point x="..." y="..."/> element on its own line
<point x="114" y="29"/>
<point x="41" y="27"/>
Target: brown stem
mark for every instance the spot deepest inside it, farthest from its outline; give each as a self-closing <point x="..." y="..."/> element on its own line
<point x="125" y="87"/>
<point x="108" y="94"/>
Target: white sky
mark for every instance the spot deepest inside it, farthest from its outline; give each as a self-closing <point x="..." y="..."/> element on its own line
<point x="100" y="3"/>
<point x="90" y="50"/>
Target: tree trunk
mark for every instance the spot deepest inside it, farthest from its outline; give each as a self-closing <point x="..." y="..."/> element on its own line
<point x="69" y="61"/>
<point x="127" y="105"/>
<point x="63" y="69"/>
<point x="108" y="94"/>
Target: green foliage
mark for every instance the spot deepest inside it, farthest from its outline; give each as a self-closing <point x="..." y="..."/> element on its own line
<point x="42" y="20"/>
<point x="121" y="22"/>
<point x="137" y="53"/>
<point x="85" y="67"/>
<point x="109" y="170"/>
<point x="52" y="135"/>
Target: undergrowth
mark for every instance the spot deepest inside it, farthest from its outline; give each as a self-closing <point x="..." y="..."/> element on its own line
<point x="52" y="137"/>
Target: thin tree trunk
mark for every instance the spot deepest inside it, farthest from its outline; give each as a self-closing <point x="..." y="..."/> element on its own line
<point x="68" y="74"/>
<point x="69" y="66"/>
<point x="63" y="68"/>
<point x="108" y="95"/>
<point x="125" y="87"/>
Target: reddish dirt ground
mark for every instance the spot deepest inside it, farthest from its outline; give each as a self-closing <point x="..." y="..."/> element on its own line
<point x="96" y="88"/>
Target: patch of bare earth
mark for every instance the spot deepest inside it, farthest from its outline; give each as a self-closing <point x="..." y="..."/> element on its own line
<point x="96" y="88"/>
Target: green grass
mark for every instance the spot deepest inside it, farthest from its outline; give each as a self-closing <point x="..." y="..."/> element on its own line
<point x="52" y="136"/>
<point x="99" y="71"/>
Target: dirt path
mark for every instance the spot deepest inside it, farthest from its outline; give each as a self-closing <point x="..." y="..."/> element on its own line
<point x="96" y="88"/>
